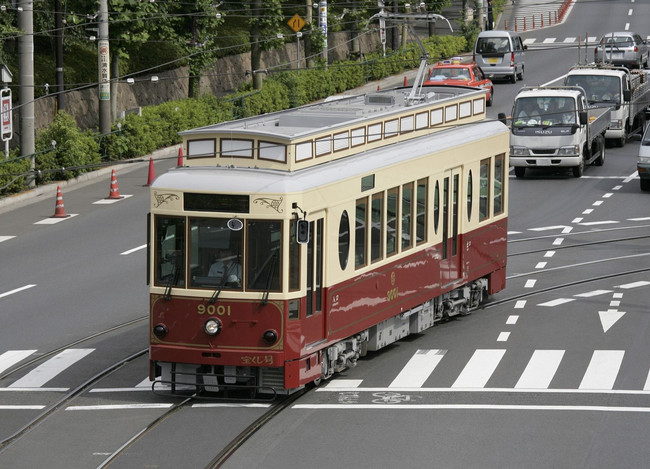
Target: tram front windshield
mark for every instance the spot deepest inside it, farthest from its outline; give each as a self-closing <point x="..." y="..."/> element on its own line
<point x="219" y="253"/>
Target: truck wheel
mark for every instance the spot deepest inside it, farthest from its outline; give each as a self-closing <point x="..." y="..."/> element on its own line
<point x="489" y="102"/>
<point x="601" y="158"/>
<point x="578" y="170"/>
<point x="521" y="74"/>
<point x="519" y="171"/>
<point x="645" y="184"/>
<point x="513" y="77"/>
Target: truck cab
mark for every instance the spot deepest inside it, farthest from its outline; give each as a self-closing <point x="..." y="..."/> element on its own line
<point x="625" y="91"/>
<point x="554" y="127"/>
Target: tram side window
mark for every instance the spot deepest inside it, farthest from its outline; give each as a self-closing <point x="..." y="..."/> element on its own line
<point x="484" y="196"/>
<point x="499" y="175"/>
<point x="436" y="207"/>
<point x="421" y="212"/>
<point x="170" y="251"/>
<point x="294" y="259"/>
<point x="361" y="226"/>
<point x="407" y="216"/>
<point x="264" y="255"/>
<point x="344" y="240"/>
<point x="215" y="254"/>
<point x="392" y="214"/>
<point x="377" y="227"/>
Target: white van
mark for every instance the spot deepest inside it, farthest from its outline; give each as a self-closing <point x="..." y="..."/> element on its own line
<point x="500" y="53"/>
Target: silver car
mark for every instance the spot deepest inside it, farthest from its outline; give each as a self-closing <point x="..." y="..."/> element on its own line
<point x="622" y="48"/>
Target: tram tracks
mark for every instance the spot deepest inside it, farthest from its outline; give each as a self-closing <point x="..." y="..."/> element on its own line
<point x="78" y="390"/>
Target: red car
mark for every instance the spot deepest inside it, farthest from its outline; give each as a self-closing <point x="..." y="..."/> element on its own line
<point x="451" y="72"/>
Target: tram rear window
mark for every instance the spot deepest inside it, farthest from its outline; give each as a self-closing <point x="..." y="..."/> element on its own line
<point x="216" y="203"/>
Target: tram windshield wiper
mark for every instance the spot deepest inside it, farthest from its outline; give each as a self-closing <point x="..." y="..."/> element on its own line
<point x="269" y="279"/>
<point x="173" y="281"/>
<point x="224" y="280"/>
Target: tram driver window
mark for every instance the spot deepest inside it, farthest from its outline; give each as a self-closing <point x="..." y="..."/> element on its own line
<point x="170" y="251"/>
<point x="215" y="254"/>
<point x="264" y="255"/>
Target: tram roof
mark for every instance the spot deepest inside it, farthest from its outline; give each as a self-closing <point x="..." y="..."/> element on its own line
<point x="227" y="179"/>
<point x="336" y="111"/>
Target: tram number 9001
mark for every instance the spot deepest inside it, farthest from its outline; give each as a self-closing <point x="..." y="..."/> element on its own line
<point x="211" y="310"/>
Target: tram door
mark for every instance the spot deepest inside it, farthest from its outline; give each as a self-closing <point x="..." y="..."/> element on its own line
<point x="314" y="320"/>
<point x="450" y="265"/>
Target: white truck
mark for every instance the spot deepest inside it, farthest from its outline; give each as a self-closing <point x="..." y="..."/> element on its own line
<point x="554" y="127"/>
<point x="627" y="92"/>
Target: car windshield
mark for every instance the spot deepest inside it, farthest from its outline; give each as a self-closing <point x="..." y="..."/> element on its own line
<point x="545" y="111"/>
<point x="439" y="74"/>
<point x="598" y="89"/>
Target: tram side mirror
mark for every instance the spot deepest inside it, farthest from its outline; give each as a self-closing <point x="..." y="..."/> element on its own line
<point x="302" y="231"/>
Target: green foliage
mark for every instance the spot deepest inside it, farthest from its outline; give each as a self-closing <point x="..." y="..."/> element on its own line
<point x="74" y="153"/>
<point x="14" y="174"/>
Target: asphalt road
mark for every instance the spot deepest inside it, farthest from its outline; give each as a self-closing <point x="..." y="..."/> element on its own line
<point x="575" y="301"/>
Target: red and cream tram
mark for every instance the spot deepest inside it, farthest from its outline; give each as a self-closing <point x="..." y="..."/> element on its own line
<point x="290" y="244"/>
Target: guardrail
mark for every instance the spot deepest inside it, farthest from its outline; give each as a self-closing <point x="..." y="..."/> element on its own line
<point x="537" y="20"/>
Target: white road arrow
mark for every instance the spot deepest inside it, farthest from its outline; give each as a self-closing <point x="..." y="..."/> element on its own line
<point x="608" y="318"/>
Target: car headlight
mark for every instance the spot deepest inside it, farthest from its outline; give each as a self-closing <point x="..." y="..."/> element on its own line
<point x="519" y="151"/>
<point x="212" y="326"/>
<point x="616" y="124"/>
<point x="569" y="150"/>
<point x="644" y="160"/>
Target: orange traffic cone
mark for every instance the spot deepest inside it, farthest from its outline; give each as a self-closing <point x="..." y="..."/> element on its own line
<point x="179" y="162"/>
<point x="59" y="209"/>
<point x="114" y="192"/>
<point x="152" y="173"/>
<point x="406" y="82"/>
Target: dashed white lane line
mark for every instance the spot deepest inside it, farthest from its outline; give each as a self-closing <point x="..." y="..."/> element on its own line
<point x="6" y="238"/>
<point x="26" y="287"/>
<point x="589" y="294"/>
<point x="520" y="304"/>
<point x="627" y="286"/>
<point x="503" y="337"/>
<point x="558" y="241"/>
<point x="130" y="251"/>
<point x="530" y="283"/>
<point x="549" y="254"/>
<point x="557" y="302"/>
<point x="512" y="319"/>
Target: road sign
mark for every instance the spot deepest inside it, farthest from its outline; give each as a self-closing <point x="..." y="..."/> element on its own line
<point x="296" y="23"/>
<point x="7" y="127"/>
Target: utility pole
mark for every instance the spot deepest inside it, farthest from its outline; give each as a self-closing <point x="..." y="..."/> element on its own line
<point x="58" y="34"/>
<point x="104" y="70"/>
<point x="479" y="10"/>
<point x="26" y="80"/>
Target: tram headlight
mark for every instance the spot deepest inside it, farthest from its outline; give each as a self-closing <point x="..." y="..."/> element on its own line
<point x="212" y="326"/>
<point x="270" y="337"/>
<point x="160" y="330"/>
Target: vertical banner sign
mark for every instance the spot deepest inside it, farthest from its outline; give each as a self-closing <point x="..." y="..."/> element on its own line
<point x="322" y="22"/>
<point x="7" y="127"/>
<point x="104" y="71"/>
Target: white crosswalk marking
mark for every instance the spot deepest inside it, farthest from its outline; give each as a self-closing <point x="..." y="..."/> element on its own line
<point x="540" y="369"/>
<point x="418" y="369"/>
<point x="11" y="357"/>
<point x="602" y="370"/>
<point x="479" y="369"/>
<point x="48" y="370"/>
